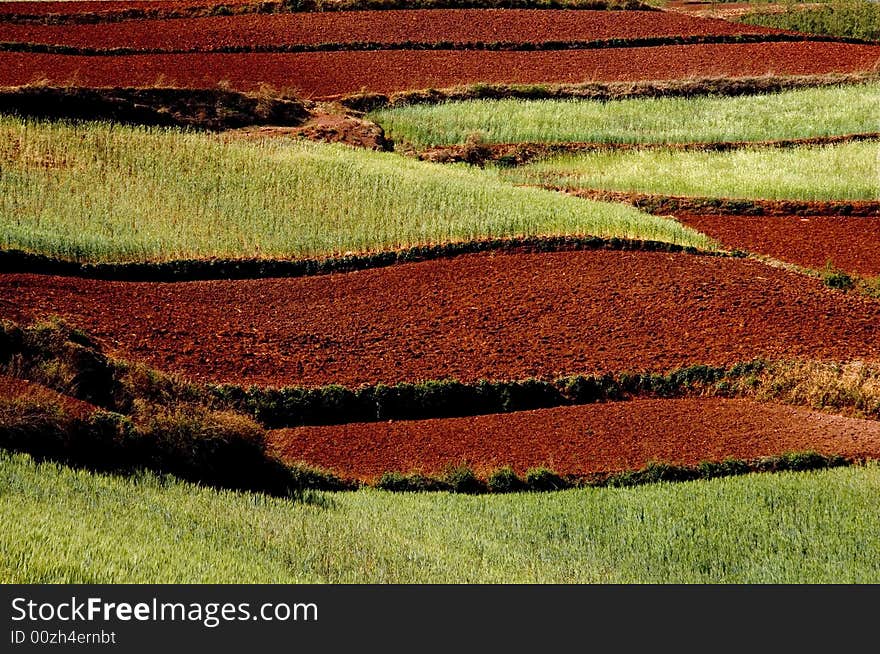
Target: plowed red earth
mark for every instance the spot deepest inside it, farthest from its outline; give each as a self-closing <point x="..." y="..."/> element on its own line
<point x="849" y="243"/>
<point x="329" y="74"/>
<point x="104" y="6"/>
<point x="426" y="26"/>
<point x="608" y="437"/>
<point x="13" y="388"/>
<point x="503" y="316"/>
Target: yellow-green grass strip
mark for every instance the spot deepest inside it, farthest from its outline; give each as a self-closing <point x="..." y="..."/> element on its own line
<point x="803" y="113"/>
<point x="858" y="19"/>
<point x="101" y="192"/>
<point x="67" y="526"/>
<point x="849" y="171"/>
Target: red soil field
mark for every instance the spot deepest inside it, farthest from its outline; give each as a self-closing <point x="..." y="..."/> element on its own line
<point x="103" y="6"/>
<point x="13" y="388"/>
<point x="426" y="26"/>
<point x="609" y="437"/>
<point x="850" y="243"/>
<point x="501" y="316"/>
<point x="329" y="74"/>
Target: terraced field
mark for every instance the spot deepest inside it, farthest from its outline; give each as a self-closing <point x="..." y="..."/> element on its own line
<point x="378" y="30"/>
<point x="502" y="317"/>
<point x="642" y="248"/>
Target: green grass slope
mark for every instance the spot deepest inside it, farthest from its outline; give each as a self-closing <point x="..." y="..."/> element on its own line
<point x="99" y="192"/>
<point x="63" y="525"/>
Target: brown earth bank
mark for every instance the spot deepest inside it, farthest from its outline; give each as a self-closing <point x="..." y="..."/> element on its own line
<point x="387" y="27"/>
<point x="12" y="388"/>
<point x="609" y="437"/>
<point x="501" y="316"/>
<point x="334" y="74"/>
<point x="666" y="204"/>
<point x="848" y="243"/>
<point x="520" y="153"/>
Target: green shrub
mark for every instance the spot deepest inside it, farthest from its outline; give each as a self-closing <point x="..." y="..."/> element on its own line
<point x="461" y="479"/>
<point x="543" y="479"/>
<point x="836" y="278"/>
<point x="505" y="480"/>
<point x="401" y="483"/>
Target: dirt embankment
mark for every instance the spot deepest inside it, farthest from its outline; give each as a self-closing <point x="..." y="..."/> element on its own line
<point x="208" y="109"/>
<point x="504" y="316"/>
<point x="521" y="153"/>
<point x="31" y="394"/>
<point x="675" y="204"/>
<point x="611" y="437"/>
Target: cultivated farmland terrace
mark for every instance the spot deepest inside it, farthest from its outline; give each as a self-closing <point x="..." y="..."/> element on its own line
<point x="506" y="316"/>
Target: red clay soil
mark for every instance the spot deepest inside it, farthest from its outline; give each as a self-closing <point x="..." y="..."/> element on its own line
<point x="610" y="437"/>
<point x="424" y="26"/>
<point x="332" y="74"/>
<point x="501" y="316"/>
<point x="105" y="6"/>
<point x="13" y="388"/>
<point x="849" y="243"/>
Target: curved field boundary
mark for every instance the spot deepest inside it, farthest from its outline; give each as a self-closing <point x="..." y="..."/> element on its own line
<point x="495" y="46"/>
<point x="61" y="13"/>
<point x="476" y="317"/>
<point x="663" y="204"/>
<point x="520" y="153"/>
<point x="17" y="261"/>
<point x="724" y="86"/>
<point x="327" y="75"/>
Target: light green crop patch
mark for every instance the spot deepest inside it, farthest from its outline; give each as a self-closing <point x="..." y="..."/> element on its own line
<point x="848" y="171"/>
<point x="99" y="192"/>
<point x="795" y="114"/>
<point x="66" y="526"/>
